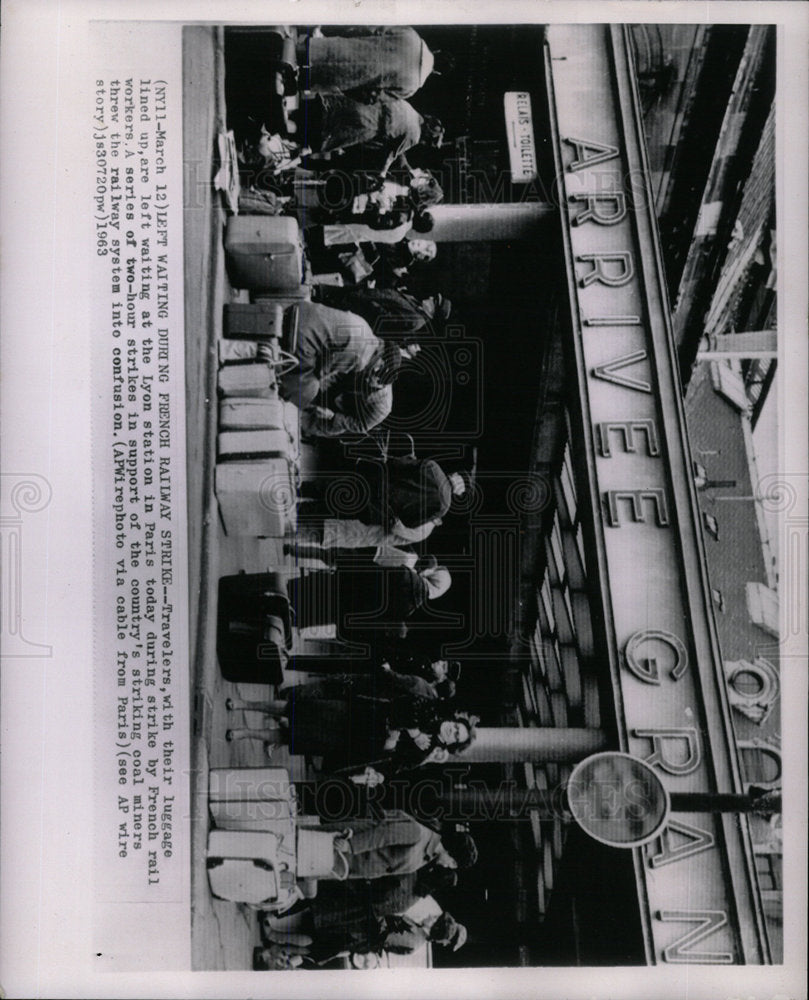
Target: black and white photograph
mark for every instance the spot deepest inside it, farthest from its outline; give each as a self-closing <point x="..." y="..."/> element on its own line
<point x="486" y="449"/>
<point x="403" y="511"/>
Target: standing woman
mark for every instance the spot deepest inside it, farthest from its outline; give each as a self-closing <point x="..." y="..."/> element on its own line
<point x="378" y="600"/>
<point x="365" y="735"/>
<point x="393" y="261"/>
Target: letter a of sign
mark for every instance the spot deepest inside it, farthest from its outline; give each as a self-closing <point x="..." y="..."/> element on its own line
<point x="681" y="951"/>
<point x="589" y="153"/>
<point x="696" y="841"/>
<point x="608" y="372"/>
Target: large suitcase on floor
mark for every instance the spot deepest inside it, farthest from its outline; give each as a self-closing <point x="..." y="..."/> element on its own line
<point x="264" y="253"/>
<point x="250" y="784"/>
<point x="254" y="628"/>
<point x="251" y="413"/>
<point x="249" y="320"/>
<point x="248" y="379"/>
<point x="245" y="880"/>
<point x="257" y="497"/>
<point x="253" y="867"/>
<point x="303" y="293"/>
<point x="250" y="798"/>
<point x="254" y="816"/>
<point x="271" y="443"/>
<point x="265" y="56"/>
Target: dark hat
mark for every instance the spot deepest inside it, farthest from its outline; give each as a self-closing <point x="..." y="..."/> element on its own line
<point x="432" y="131"/>
<point x="461" y="847"/>
<point x="453" y="669"/>
<point x="422" y="222"/>
<point x="466" y="478"/>
<point x="445" y="689"/>
<point x="459" y="938"/>
<point x="443" y="306"/>
<point x="389" y="361"/>
<point x="447" y="931"/>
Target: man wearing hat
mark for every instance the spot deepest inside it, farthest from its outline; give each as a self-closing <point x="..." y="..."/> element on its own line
<point x="441" y="674"/>
<point x="357" y="403"/>
<point x="404" y="936"/>
<point x="327" y="344"/>
<point x="406" y="499"/>
<point x="397" y="844"/>
<point x="340" y="919"/>
<point x="437" y="306"/>
<point x="394" y="59"/>
<point x="390" y="312"/>
<point x="340" y="363"/>
<point x="414" y="492"/>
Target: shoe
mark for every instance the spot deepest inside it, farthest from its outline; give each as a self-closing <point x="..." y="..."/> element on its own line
<point x="229" y="735"/>
<point x="269" y="750"/>
<point x="229" y="705"/>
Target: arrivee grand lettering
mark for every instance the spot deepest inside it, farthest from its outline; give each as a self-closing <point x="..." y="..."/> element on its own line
<point x="622" y="339"/>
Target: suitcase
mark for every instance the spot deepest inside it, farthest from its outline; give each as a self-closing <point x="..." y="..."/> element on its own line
<point x="264" y="252"/>
<point x="240" y="351"/>
<point x="303" y="293"/>
<point x="270" y="443"/>
<point x="257" y="497"/>
<point x="250" y="379"/>
<point x="276" y="846"/>
<point x="283" y="60"/>
<point x="254" y="628"/>
<point x="250" y="798"/>
<point x="316" y="856"/>
<point x="253" y="784"/>
<point x="250" y="413"/>
<point x="255" y="816"/>
<point x="252" y="867"/>
<point x="245" y="880"/>
<point x="253" y="320"/>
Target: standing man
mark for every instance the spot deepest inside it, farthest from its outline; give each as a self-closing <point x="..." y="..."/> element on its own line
<point x="398" y="845"/>
<point x="403" y="936"/>
<point x="441" y="674"/>
<point x="356" y="403"/>
<point x="327" y="343"/>
<point x="392" y="59"/>
<point x="388" y="311"/>
<point x="407" y="498"/>
<point x="331" y="346"/>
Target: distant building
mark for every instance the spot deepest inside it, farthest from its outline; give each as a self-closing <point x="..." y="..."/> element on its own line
<point x="712" y="88"/>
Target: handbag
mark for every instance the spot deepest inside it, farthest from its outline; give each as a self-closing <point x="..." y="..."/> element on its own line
<point x="356" y="264"/>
